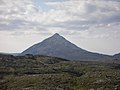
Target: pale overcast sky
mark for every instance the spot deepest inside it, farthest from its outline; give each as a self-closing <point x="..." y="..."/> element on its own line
<point x="93" y="25"/>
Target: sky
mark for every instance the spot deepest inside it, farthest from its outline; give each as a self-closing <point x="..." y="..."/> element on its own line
<point x="93" y="25"/>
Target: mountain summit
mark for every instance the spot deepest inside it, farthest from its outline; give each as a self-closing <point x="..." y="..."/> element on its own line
<point x="58" y="46"/>
<point x="56" y="35"/>
<point x="55" y="38"/>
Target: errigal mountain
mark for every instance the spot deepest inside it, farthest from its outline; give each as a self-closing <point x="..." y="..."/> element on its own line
<point x="58" y="46"/>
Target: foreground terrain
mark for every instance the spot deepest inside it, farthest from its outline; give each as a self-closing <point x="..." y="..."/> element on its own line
<point x="49" y="73"/>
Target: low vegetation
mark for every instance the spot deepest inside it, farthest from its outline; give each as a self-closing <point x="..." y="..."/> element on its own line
<point x="49" y="73"/>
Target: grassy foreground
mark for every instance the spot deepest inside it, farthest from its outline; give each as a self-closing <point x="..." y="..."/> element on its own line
<point x="46" y="73"/>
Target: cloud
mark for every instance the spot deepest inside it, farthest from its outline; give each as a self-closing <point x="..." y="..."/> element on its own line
<point x="88" y="15"/>
<point x="84" y="19"/>
<point x="67" y="14"/>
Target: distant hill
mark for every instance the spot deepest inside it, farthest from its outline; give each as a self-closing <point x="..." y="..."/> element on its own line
<point x="58" y="46"/>
<point x="27" y="60"/>
<point x="14" y="54"/>
<point x="117" y="56"/>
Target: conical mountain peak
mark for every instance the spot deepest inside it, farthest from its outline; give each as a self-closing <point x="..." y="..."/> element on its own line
<point x="56" y="35"/>
<point x="58" y="46"/>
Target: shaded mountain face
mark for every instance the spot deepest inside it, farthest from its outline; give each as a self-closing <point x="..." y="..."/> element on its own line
<point x="117" y="56"/>
<point x="58" y="46"/>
